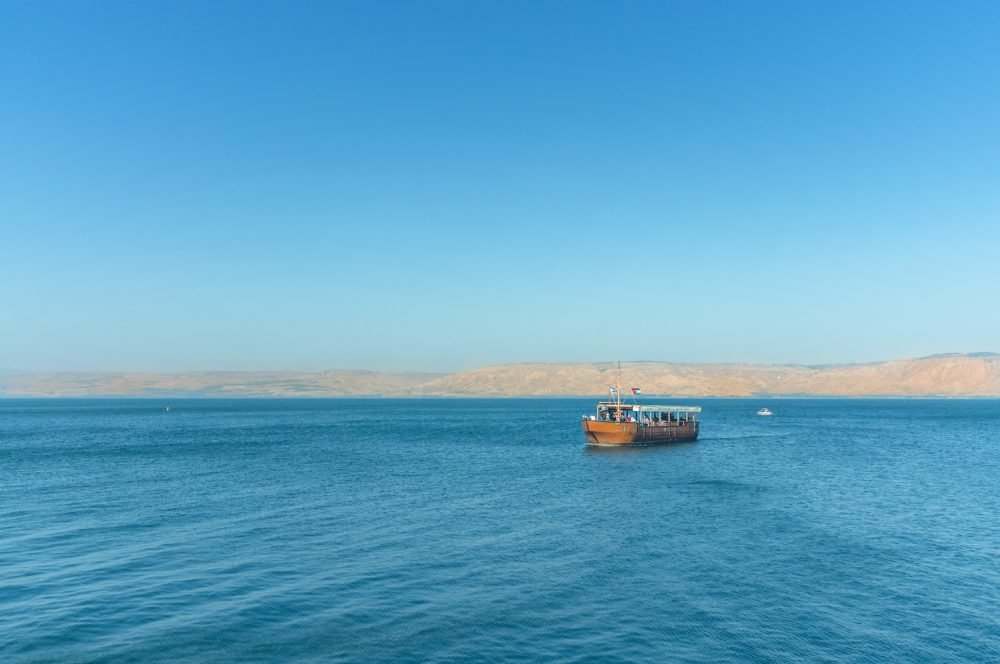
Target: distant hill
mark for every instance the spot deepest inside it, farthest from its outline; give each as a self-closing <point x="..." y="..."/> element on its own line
<point x="214" y="384"/>
<point x="941" y="375"/>
<point x="972" y="374"/>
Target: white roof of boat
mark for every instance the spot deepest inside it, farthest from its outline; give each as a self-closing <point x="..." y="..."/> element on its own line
<point x="651" y="406"/>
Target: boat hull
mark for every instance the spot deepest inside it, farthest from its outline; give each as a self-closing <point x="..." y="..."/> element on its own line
<point x="632" y="433"/>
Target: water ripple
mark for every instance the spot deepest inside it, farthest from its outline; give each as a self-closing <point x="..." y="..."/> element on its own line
<point x="452" y="530"/>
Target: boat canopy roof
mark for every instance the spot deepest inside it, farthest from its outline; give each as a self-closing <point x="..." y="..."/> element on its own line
<point x="649" y="406"/>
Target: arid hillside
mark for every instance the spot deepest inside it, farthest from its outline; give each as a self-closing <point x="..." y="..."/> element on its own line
<point x="944" y="375"/>
<point x="975" y="374"/>
<point x="214" y="384"/>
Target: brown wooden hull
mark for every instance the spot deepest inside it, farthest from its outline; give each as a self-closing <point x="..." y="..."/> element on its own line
<point x="632" y="433"/>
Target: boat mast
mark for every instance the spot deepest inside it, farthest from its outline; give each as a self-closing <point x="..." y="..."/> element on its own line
<point x="618" y="388"/>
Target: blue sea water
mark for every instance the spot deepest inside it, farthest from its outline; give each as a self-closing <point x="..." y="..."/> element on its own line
<point x="485" y="530"/>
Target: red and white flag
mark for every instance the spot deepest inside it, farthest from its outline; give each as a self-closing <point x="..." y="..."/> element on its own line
<point x="636" y="390"/>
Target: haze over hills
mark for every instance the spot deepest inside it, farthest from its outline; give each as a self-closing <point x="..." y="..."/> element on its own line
<point x="213" y="384"/>
<point x="954" y="375"/>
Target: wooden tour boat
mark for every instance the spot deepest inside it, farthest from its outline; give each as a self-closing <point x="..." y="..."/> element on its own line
<point x="619" y="423"/>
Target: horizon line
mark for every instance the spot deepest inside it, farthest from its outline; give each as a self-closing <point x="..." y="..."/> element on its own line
<point x="499" y="364"/>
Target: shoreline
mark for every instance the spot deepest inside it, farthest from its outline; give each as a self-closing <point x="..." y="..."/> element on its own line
<point x="497" y="397"/>
<point x="972" y="375"/>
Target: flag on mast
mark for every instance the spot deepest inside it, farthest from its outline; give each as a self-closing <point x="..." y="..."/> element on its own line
<point x="612" y="389"/>
<point x="636" y="390"/>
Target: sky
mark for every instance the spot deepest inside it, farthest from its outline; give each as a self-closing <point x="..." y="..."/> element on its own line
<point x="438" y="186"/>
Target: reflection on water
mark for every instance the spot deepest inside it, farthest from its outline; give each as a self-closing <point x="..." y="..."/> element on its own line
<point x="640" y="448"/>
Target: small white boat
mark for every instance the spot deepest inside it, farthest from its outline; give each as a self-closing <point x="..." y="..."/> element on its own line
<point x="764" y="412"/>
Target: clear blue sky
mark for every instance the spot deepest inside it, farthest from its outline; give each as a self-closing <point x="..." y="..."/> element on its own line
<point x="444" y="185"/>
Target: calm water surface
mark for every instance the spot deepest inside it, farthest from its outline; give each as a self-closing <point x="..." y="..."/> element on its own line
<point x="453" y="530"/>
